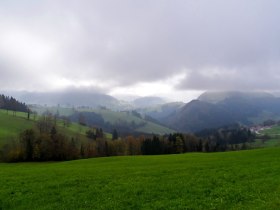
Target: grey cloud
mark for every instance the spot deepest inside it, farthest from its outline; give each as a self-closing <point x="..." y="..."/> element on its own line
<point x="134" y="41"/>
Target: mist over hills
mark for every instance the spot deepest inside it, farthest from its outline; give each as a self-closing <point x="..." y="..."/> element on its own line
<point x="73" y="98"/>
<point x="209" y="110"/>
<point x="215" y="97"/>
<point x="215" y="109"/>
<point x="149" y="101"/>
<point x="78" y="98"/>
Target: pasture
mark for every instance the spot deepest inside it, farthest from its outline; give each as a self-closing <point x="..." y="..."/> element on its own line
<point x="229" y="180"/>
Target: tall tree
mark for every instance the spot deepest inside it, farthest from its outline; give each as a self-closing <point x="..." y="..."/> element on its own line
<point x="115" y="134"/>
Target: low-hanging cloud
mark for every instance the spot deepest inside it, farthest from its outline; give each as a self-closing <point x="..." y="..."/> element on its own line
<point x="218" y="44"/>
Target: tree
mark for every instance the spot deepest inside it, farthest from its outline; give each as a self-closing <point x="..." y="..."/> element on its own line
<point x="179" y="144"/>
<point x="90" y="134"/>
<point x="34" y="115"/>
<point x="53" y="132"/>
<point x="66" y="121"/>
<point x="99" y="133"/>
<point x="28" y="114"/>
<point x="115" y="134"/>
<point x="27" y="139"/>
<point x="82" y="119"/>
<point x="45" y="124"/>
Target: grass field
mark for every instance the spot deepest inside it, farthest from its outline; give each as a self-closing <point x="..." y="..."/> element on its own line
<point x="11" y="126"/>
<point x="229" y="180"/>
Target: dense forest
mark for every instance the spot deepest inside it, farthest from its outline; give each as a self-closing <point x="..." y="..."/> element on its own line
<point x="10" y="103"/>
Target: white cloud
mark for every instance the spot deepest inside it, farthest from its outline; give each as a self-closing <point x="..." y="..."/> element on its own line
<point x="140" y="47"/>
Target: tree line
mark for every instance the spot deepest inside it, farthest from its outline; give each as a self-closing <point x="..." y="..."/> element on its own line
<point x="10" y="103"/>
<point x="46" y="142"/>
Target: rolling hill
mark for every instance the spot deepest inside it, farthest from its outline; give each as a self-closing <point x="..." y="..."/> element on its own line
<point x="11" y="125"/>
<point x="126" y="122"/>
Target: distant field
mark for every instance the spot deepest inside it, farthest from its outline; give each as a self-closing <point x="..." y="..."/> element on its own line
<point x="113" y="117"/>
<point x="149" y="127"/>
<point x="274" y="140"/>
<point x="229" y="180"/>
<point x="54" y="110"/>
<point x="275" y="130"/>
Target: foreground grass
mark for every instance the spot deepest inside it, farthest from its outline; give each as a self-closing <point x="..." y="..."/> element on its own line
<point x="230" y="180"/>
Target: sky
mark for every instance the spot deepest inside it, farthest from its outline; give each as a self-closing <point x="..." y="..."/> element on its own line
<point x="174" y="49"/>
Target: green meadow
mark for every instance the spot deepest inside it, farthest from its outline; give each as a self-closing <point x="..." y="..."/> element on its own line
<point x="227" y="180"/>
<point x="11" y="126"/>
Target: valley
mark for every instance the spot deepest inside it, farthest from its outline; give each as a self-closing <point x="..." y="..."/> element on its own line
<point x="222" y="167"/>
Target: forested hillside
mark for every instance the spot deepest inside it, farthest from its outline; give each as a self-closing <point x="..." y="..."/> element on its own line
<point x="10" y="103"/>
<point x="214" y="110"/>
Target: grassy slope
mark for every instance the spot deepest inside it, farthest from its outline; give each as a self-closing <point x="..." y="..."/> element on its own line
<point x="113" y="117"/>
<point x="230" y="180"/>
<point x="149" y="127"/>
<point x="11" y="126"/>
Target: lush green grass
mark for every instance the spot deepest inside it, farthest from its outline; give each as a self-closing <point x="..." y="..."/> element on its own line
<point x="230" y="180"/>
<point x="11" y="126"/>
<point x="268" y="143"/>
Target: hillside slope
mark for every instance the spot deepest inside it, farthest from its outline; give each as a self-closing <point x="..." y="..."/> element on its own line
<point x="11" y="126"/>
<point x="126" y="122"/>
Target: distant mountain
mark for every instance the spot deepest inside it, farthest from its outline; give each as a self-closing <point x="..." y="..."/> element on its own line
<point x="213" y="110"/>
<point x="86" y="98"/>
<point x="160" y="112"/>
<point x="215" y="97"/>
<point x="198" y="115"/>
<point x="148" y="102"/>
<point x="70" y="98"/>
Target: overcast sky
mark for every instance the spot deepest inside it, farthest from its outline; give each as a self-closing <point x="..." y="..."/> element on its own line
<point x="175" y="49"/>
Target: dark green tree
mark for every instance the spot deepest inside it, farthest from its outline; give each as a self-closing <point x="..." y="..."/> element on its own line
<point x="115" y="134"/>
<point x="27" y="139"/>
